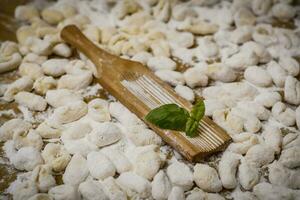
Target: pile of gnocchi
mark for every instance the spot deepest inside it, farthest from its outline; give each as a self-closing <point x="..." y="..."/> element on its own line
<point x="70" y="143"/>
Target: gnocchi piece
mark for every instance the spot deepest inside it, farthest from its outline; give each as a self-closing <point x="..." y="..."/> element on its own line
<point x="69" y="113"/>
<point x="241" y="60"/>
<point x="241" y="34"/>
<point x="185" y="92"/>
<point x="21" y="84"/>
<point x="142" y="57"/>
<point x="142" y="136"/>
<point x="244" y="16"/>
<point x="273" y="138"/>
<point x="105" y="134"/>
<point x="98" y="110"/>
<point x="255" y="109"/>
<point x="198" y="26"/>
<point x="292" y="90"/>
<point x="76" y="171"/>
<point x="31" y="101"/>
<point x="227" y="169"/>
<point x="195" y="77"/>
<point x="34" y="58"/>
<point x="44" y="179"/>
<point x="32" y="138"/>
<point x="184" y="179"/>
<point x="124" y="8"/>
<point x="219" y="72"/>
<point x="243" y="147"/>
<point x="48" y="130"/>
<point x="260" y="155"/>
<point x="290" y="157"/>
<point x="147" y="163"/>
<point x="55" y="67"/>
<point x="180" y="12"/>
<point x="26" y="12"/>
<point x="207" y="178"/>
<point x="248" y="174"/>
<point x="134" y="184"/>
<point x="64" y="192"/>
<point x="207" y="48"/>
<point x="120" y="161"/>
<point x="43" y="84"/>
<point x="161" y="186"/>
<point x="284" y="114"/>
<point x="38" y="46"/>
<point x="268" y="99"/>
<point x="162" y="11"/>
<point x="27" y="158"/>
<point x="100" y="166"/>
<point x="52" y="16"/>
<point x="279" y="175"/>
<point x="62" y="50"/>
<point x="195" y="194"/>
<point x="277" y="73"/>
<point x="262" y="53"/>
<point x="32" y="70"/>
<point x="283" y="11"/>
<point x="75" y="82"/>
<point x="113" y="190"/>
<point x="92" y="190"/>
<point x="12" y="127"/>
<point x="8" y="62"/>
<point x="269" y="191"/>
<point x="161" y="63"/>
<point x="260" y="7"/>
<point x="61" y="97"/>
<point x="172" y="77"/>
<point x="211" y="105"/>
<point x="183" y="39"/>
<point x="177" y="193"/>
<point x="258" y="76"/>
<point x="290" y="65"/>
<point x="56" y="156"/>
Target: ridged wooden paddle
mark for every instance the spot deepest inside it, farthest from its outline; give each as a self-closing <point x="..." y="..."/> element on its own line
<point x="135" y="86"/>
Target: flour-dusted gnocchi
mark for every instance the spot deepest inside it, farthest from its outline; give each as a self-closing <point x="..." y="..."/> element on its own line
<point x="283" y="11"/>
<point x="244" y="16"/>
<point x="248" y="174"/>
<point x="134" y="184"/>
<point x="100" y="166"/>
<point x="64" y="192"/>
<point x="52" y="16"/>
<point x="92" y="189"/>
<point x="61" y="97"/>
<point x="75" y="81"/>
<point x="290" y="65"/>
<point x="290" y="157"/>
<point x="282" y="176"/>
<point x="26" y="12"/>
<point x="259" y="50"/>
<point x="32" y="70"/>
<point x="161" y="186"/>
<point x="196" y="193"/>
<point x="26" y="158"/>
<point x="207" y="178"/>
<point x="55" y="67"/>
<point x="277" y="73"/>
<point x="268" y="99"/>
<point x="259" y="155"/>
<point x="254" y="108"/>
<point x="98" y="110"/>
<point x="269" y="191"/>
<point x="45" y="180"/>
<point x="258" y="76"/>
<point x="292" y="90"/>
<point x="241" y="34"/>
<point x="185" y="92"/>
<point x="62" y="50"/>
<point x="183" y="179"/>
<point x="113" y="190"/>
<point x="241" y="60"/>
<point x="198" y="26"/>
<point x="43" y="84"/>
<point x="120" y="161"/>
<point x="38" y="46"/>
<point x="243" y="146"/>
<point x="22" y="84"/>
<point x="284" y="114"/>
<point x="56" y="156"/>
<point x="195" y="77"/>
<point x="141" y="136"/>
<point x="105" y="134"/>
<point x="227" y="169"/>
<point x="48" y="130"/>
<point x="211" y="105"/>
<point x="264" y="34"/>
<point x="207" y="48"/>
<point x="31" y="138"/>
<point x="31" y="101"/>
<point x="76" y="171"/>
<point x="12" y="127"/>
<point x="260" y="7"/>
<point x="69" y="113"/>
<point x="220" y="72"/>
<point x="177" y="193"/>
<point x="273" y="138"/>
<point x="161" y="63"/>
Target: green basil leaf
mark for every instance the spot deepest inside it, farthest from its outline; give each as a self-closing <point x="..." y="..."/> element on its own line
<point x="169" y="116"/>
<point x="197" y="113"/>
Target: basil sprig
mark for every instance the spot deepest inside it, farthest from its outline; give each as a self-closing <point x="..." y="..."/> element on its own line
<point x="173" y="117"/>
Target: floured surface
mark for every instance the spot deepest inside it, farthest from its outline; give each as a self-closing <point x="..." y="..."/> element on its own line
<point x="84" y="144"/>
